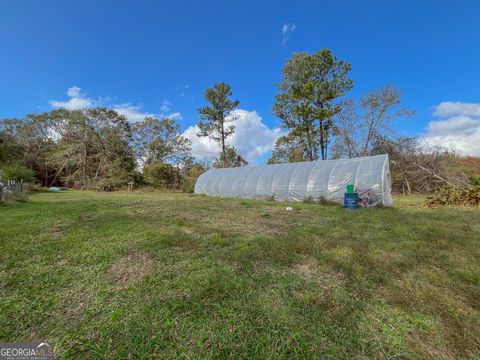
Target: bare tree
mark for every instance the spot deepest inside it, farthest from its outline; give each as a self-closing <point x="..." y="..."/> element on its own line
<point x="359" y="124"/>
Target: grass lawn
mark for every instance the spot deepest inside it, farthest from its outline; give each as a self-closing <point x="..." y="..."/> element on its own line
<point x="165" y="275"/>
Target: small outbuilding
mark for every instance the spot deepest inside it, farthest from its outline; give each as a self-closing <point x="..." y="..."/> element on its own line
<point x="313" y="180"/>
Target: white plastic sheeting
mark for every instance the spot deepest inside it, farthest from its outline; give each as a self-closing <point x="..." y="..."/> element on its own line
<point x="296" y="181"/>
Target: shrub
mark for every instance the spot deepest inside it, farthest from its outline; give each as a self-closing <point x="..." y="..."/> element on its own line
<point x="17" y="171"/>
<point x="191" y="176"/>
<point x="161" y="175"/>
<point x="138" y="179"/>
<point x="453" y="195"/>
<point x="188" y="184"/>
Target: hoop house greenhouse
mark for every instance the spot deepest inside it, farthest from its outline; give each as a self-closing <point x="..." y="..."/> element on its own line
<point x="297" y="181"/>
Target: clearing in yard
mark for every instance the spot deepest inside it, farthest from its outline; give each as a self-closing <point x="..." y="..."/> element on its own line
<point x="162" y="275"/>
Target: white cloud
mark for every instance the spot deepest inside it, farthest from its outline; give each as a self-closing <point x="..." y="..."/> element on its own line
<point x="133" y="113"/>
<point x="77" y="100"/>
<point x="165" y="106"/>
<point x="449" y="108"/>
<point x="175" y="116"/>
<point x="287" y="29"/>
<point x="202" y="147"/>
<point x="252" y="138"/>
<point x="74" y="91"/>
<point x="458" y="127"/>
<point x="455" y="124"/>
<point x="165" y="109"/>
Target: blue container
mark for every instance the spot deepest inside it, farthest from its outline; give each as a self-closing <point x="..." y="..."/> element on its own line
<point x="351" y="201"/>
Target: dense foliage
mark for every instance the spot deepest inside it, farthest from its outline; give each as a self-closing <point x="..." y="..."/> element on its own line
<point x="288" y="148"/>
<point x="308" y="98"/>
<point x="94" y="148"/>
<point x="161" y="175"/>
<point x="455" y="195"/>
<point x="16" y="171"/>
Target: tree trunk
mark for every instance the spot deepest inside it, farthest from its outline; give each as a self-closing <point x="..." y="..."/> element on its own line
<point x="322" y="140"/>
<point x="409" y="190"/>
<point x="58" y="173"/>
<point x="309" y="145"/>
<point x="223" y="136"/>
<point x="326" y="146"/>
<point x="98" y="170"/>
<point x="84" y="168"/>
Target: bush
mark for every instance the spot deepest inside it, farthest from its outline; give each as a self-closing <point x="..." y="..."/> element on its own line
<point x="161" y="175"/>
<point x="191" y="176"/>
<point x="188" y="184"/>
<point x="16" y="171"/>
<point x="138" y="179"/>
<point x="452" y="195"/>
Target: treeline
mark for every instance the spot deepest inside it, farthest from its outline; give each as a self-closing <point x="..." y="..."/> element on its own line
<point x="91" y="148"/>
<point x="97" y="148"/>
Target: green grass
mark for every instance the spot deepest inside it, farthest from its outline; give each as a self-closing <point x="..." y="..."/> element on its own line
<point x="163" y="275"/>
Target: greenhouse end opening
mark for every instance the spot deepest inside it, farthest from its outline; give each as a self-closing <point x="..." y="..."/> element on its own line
<point x="315" y="180"/>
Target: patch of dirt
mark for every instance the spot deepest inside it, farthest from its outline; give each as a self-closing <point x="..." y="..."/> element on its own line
<point x="177" y="295"/>
<point x="85" y="217"/>
<point x="130" y="268"/>
<point x="238" y="219"/>
<point x="61" y="263"/>
<point x="425" y="343"/>
<point x="309" y="271"/>
<point x="139" y="212"/>
<point x="76" y="303"/>
<point x="306" y="270"/>
<point x="190" y="232"/>
<point x="56" y="231"/>
<point x="332" y="280"/>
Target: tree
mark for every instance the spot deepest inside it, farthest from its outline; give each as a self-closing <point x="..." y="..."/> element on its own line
<point x="93" y="146"/>
<point x="190" y="173"/>
<point x="288" y="149"/>
<point x="89" y="147"/>
<point x="359" y="124"/>
<point x="5" y="150"/>
<point x="16" y="171"/>
<point x="230" y="158"/>
<point x="308" y="98"/>
<point x="217" y="119"/>
<point x="159" y="140"/>
<point x="162" y="175"/>
<point x="29" y="141"/>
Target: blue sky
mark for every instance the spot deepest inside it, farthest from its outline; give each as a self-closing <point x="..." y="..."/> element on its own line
<point x="157" y="57"/>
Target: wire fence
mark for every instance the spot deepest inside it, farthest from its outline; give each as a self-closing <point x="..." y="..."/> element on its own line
<point x="12" y="190"/>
